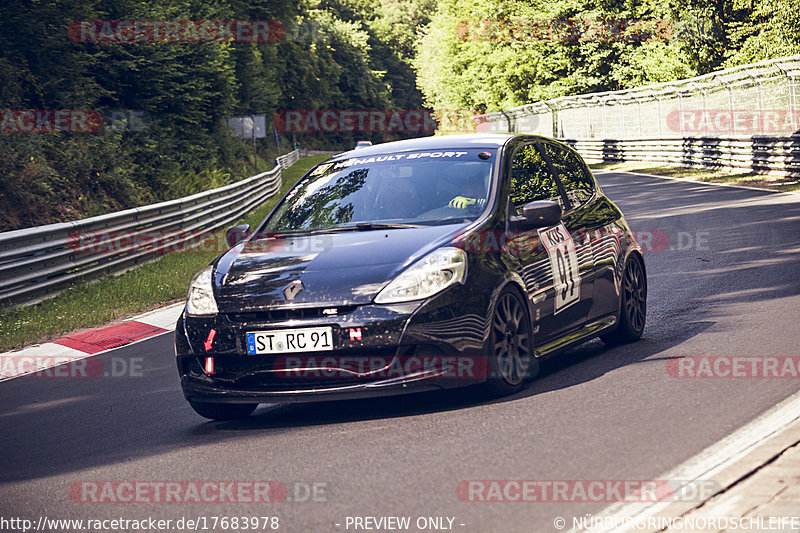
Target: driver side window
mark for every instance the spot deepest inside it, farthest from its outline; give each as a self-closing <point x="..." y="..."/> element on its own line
<point x="531" y="179"/>
<point x="572" y="172"/>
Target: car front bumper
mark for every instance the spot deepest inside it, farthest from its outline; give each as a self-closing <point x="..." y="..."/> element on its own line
<point x="400" y="348"/>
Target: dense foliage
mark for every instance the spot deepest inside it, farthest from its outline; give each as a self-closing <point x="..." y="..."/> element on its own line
<point x="468" y="59"/>
<point x="165" y="103"/>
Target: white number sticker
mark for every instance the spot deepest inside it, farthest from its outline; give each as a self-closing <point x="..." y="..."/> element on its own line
<point x="564" y="262"/>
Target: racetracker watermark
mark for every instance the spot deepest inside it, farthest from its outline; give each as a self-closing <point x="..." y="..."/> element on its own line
<point x="59" y="367"/>
<point x="131" y="31"/>
<point x="306" y="31"/>
<point x="584" y="490"/>
<point x="50" y="121"/>
<point x="71" y="121"/>
<point x="741" y="121"/>
<point x="527" y="242"/>
<point x="380" y="367"/>
<point x="150" y="492"/>
<point x="734" y="366"/>
<point x="411" y="121"/>
<point x="164" y="242"/>
<point x="482" y="241"/>
<point x="633" y="30"/>
<point x="125" y="119"/>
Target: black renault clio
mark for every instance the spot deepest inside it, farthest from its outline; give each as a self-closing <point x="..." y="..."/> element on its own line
<point x="409" y="266"/>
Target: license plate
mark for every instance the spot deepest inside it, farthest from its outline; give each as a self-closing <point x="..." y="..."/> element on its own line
<point x="290" y="340"/>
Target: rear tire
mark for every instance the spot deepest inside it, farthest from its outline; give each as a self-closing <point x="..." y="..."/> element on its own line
<point x="223" y="411"/>
<point x="511" y="363"/>
<point x="633" y="305"/>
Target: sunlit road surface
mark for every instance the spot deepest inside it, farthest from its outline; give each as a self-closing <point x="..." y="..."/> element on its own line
<point x="725" y="282"/>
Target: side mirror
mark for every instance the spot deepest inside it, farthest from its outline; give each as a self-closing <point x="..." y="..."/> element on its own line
<point x="540" y="214"/>
<point x="237" y="234"/>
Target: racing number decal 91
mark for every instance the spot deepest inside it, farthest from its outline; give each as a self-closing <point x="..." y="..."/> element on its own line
<point x="564" y="263"/>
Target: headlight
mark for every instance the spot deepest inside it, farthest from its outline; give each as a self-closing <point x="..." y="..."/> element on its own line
<point x="431" y="274"/>
<point x="200" y="300"/>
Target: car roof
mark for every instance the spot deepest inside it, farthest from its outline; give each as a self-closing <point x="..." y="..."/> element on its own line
<point x="436" y="142"/>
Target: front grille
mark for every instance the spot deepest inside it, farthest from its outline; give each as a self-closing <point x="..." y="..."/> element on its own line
<point x="291" y="314"/>
<point x="253" y="372"/>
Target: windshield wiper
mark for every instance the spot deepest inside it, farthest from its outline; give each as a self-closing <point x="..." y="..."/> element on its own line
<point x="367" y="226"/>
<point x="362" y="226"/>
<point x="358" y="226"/>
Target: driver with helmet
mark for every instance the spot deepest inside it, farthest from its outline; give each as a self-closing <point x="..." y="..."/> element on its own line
<point x="470" y="180"/>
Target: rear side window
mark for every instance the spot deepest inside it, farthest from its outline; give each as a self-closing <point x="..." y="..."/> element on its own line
<point x="531" y="179"/>
<point x="576" y="180"/>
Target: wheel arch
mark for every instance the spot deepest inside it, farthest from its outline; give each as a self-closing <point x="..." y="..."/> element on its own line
<point x="514" y="282"/>
<point x="638" y="254"/>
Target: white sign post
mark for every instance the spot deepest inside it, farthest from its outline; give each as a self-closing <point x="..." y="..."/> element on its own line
<point x="253" y="126"/>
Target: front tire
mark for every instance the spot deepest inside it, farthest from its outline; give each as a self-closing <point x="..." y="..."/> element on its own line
<point x="633" y="305"/>
<point x="510" y="346"/>
<point x="223" y="411"/>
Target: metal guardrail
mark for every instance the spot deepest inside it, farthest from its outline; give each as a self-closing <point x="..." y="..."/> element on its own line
<point x="764" y="155"/>
<point x="285" y="161"/>
<point x="37" y="263"/>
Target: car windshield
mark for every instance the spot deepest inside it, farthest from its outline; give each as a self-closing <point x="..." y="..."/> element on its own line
<point x="388" y="190"/>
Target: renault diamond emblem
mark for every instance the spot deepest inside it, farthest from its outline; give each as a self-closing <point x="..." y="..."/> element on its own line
<point x="291" y="291"/>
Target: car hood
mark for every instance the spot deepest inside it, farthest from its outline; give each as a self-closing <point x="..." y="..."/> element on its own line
<point x="336" y="269"/>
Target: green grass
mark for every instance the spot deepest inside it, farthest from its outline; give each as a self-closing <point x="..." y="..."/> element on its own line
<point x="751" y="179"/>
<point x="86" y="304"/>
